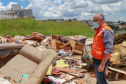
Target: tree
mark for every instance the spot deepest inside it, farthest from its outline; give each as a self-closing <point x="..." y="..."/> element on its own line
<point x="70" y="20"/>
<point x="74" y="19"/>
<point x="33" y="17"/>
<point x="123" y="23"/>
<point x="114" y="27"/>
<point x="119" y="21"/>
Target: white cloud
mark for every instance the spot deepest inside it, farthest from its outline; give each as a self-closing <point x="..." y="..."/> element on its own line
<point x="80" y="9"/>
<point x="22" y="0"/>
<point x="39" y="7"/>
<point x="57" y="2"/>
<point x="67" y="10"/>
<point x="105" y="1"/>
<point x="113" y="10"/>
<point x="8" y="7"/>
<point x="1" y="3"/>
<point x="1" y="6"/>
<point x="86" y="16"/>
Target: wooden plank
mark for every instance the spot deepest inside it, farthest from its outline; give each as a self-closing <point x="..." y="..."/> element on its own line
<point x="77" y="52"/>
<point x="65" y="70"/>
<point x="59" y="44"/>
<point x="65" y="45"/>
<point x="117" y="70"/>
<point x="112" y="76"/>
<point x="53" y="44"/>
<point x="116" y="76"/>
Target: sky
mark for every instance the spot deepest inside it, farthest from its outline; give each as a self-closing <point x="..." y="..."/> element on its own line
<point x="113" y="10"/>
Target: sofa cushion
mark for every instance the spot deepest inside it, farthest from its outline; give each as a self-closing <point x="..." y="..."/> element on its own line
<point x="20" y="65"/>
<point x="35" y="54"/>
<point x="31" y="53"/>
<point x="7" y="71"/>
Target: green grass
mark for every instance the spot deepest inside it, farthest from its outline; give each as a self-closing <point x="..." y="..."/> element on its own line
<point x="27" y="26"/>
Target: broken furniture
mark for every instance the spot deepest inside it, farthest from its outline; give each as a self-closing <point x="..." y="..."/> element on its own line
<point x="119" y="38"/>
<point x="30" y="61"/>
<point x="115" y="74"/>
<point x="9" y="50"/>
<point x="76" y="46"/>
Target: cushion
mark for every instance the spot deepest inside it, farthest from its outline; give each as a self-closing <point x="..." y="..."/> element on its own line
<point x="18" y="66"/>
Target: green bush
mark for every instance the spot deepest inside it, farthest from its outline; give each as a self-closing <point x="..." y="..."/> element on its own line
<point x="114" y="27"/>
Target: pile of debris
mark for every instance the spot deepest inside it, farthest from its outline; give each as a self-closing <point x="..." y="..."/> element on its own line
<point x="118" y="61"/>
<point x="120" y="38"/>
<point x="73" y="64"/>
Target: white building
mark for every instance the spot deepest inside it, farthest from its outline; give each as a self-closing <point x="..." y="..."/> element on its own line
<point x="15" y="12"/>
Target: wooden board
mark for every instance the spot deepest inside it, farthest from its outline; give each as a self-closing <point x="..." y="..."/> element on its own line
<point x="117" y="70"/>
<point x="65" y="70"/>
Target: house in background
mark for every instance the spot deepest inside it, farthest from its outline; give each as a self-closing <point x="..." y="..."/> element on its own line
<point x="122" y="26"/>
<point x="15" y="12"/>
<point x="56" y="20"/>
<point x="88" y="22"/>
<point x="59" y="20"/>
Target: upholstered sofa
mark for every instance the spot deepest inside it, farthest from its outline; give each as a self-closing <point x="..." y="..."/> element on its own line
<point x="30" y="61"/>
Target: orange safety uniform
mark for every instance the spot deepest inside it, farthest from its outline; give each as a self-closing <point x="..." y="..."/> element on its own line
<point x="97" y="49"/>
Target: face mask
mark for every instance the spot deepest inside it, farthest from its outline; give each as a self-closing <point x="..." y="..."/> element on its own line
<point x="95" y="24"/>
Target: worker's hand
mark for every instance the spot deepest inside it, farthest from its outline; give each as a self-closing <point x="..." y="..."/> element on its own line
<point x="101" y="68"/>
<point x="106" y="72"/>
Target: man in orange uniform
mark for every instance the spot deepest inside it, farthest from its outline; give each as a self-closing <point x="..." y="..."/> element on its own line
<point x="102" y="47"/>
